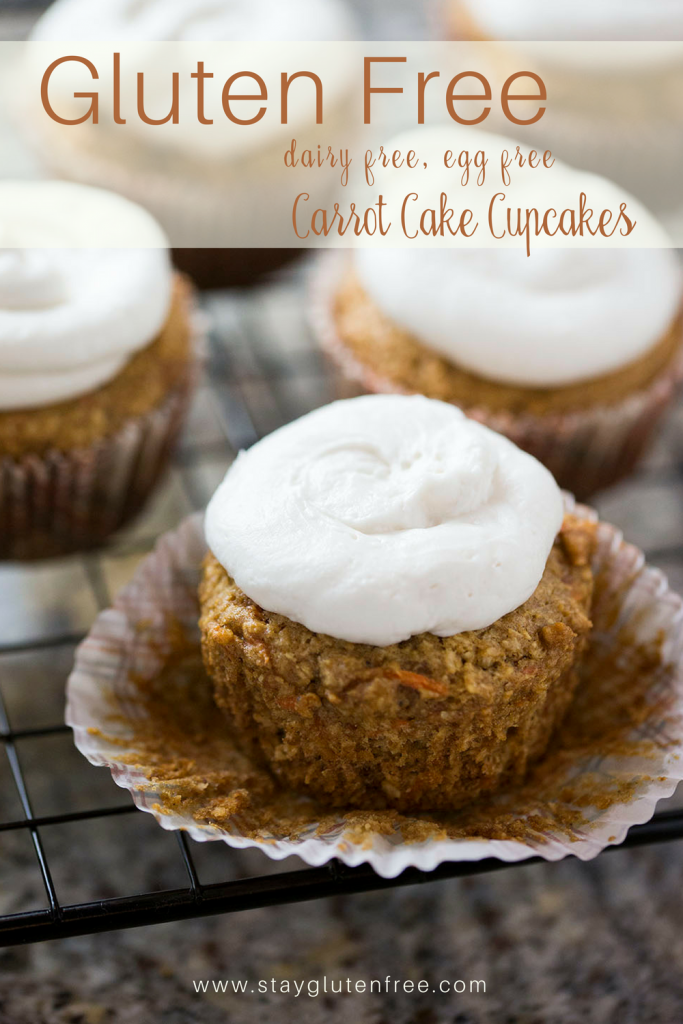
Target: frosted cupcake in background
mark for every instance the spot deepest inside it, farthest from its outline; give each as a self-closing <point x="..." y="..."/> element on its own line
<point x="613" y="108"/>
<point x="608" y="20"/>
<point x="197" y="182"/>
<point x="96" y="365"/>
<point x="573" y="353"/>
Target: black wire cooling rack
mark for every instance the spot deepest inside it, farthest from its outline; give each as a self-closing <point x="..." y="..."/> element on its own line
<point x="261" y="372"/>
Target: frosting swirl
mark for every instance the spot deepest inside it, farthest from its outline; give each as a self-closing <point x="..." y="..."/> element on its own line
<point x="564" y="314"/>
<point x="71" y="316"/>
<point x="552" y="319"/>
<point x="382" y="517"/>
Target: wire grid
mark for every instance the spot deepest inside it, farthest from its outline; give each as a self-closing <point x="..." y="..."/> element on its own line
<point x="262" y="371"/>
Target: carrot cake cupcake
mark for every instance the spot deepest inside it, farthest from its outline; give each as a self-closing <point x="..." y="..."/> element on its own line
<point x="568" y="20"/>
<point x="393" y="607"/>
<point x="615" y="84"/>
<point x="572" y="353"/>
<point x="95" y="364"/>
<point x="205" y="185"/>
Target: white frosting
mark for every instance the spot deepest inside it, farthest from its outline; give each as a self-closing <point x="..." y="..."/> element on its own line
<point x="563" y="314"/>
<point x="200" y="20"/>
<point x="382" y="517"/>
<point x="551" y="319"/>
<point x="71" y="316"/>
<point x="579" y="19"/>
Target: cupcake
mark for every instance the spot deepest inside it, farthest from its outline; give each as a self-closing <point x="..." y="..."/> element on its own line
<point x="96" y="364"/>
<point x="394" y="605"/>
<point x="204" y="185"/>
<point x="573" y="353"/>
<point x="616" y="108"/>
<point x="579" y="20"/>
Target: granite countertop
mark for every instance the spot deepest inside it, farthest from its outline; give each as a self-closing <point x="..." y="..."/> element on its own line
<point x="555" y="944"/>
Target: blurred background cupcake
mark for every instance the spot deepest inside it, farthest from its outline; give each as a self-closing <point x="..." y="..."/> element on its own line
<point x="198" y="184"/>
<point x="616" y="89"/>
<point x="573" y="354"/>
<point x="96" y="365"/>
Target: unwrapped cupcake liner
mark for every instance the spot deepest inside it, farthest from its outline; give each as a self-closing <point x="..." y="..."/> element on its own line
<point x="585" y="450"/>
<point x="634" y="610"/>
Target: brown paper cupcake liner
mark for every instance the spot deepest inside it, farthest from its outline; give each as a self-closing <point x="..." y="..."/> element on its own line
<point x="140" y="704"/>
<point x="586" y="450"/>
<point x="71" y="501"/>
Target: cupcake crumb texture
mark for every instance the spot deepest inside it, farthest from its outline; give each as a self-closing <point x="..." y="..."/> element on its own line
<point x="432" y="722"/>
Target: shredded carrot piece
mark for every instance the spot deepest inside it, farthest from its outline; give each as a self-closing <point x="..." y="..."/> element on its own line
<point x="416" y="681"/>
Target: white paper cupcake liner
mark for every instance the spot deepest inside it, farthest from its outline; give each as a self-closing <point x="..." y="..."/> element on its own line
<point x="586" y="450"/>
<point x="131" y="642"/>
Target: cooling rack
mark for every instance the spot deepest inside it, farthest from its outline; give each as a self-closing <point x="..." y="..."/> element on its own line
<point x="261" y="371"/>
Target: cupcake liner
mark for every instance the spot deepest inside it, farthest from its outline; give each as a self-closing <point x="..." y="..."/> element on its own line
<point x="70" y="501"/>
<point x="588" y="801"/>
<point x="586" y="450"/>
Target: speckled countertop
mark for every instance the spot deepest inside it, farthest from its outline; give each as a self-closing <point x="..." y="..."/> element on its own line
<point x="563" y="944"/>
<point x="555" y="944"/>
